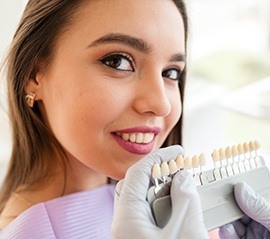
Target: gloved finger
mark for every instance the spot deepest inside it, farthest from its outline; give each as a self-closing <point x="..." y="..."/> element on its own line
<point x="186" y="207"/>
<point x="117" y="192"/>
<point x="228" y="232"/>
<point x="138" y="176"/>
<point x="252" y="204"/>
<point x="240" y="228"/>
<point x="118" y="188"/>
<point x="245" y="220"/>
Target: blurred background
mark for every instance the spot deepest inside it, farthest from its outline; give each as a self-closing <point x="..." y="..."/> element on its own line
<point x="228" y="89"/>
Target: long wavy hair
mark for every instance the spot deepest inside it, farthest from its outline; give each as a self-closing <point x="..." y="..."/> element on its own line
<point x="34" y="144"/>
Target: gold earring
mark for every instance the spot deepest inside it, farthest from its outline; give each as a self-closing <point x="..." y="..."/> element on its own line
<point x="30" y="99"/>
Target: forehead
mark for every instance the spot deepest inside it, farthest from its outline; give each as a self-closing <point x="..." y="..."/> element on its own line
<point x="159" y="22"/>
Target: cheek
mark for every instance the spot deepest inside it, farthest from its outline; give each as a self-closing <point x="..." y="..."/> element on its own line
<point x="78" y="113"/>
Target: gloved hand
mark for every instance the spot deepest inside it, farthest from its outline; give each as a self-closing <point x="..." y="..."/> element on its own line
<point x="133" y="217"/>
<point x="256" y="223"/>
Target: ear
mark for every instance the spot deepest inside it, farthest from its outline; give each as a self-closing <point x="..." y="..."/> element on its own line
<point x="34" y="82"/>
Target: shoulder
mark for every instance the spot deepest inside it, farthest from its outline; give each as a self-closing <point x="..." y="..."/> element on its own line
<point x="32" y="223"/>
<point x="86" y="214"/>
<point x="14" y="207"/>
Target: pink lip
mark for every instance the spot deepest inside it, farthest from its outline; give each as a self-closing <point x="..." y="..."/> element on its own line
<point x="143" y="129"/>
<point x="134" y="147"/>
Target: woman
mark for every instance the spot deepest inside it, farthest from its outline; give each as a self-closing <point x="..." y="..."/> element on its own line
<point x="94" y="87"/>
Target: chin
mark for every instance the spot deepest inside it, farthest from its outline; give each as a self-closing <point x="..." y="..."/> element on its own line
<point x="119" y="173"/>
<point x="117" y="176"/>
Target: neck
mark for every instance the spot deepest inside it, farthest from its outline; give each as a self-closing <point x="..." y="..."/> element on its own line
<point x="79" y="177"/>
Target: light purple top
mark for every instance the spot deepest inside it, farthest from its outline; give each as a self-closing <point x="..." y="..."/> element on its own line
<point x="81" y="215"/>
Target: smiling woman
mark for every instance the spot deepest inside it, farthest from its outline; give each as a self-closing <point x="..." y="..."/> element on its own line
<point x="94" y="87"/>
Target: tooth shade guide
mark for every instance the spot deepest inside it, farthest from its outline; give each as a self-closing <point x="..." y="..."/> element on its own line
<point x="229" y="170"/>
<point x="221" y="153"/>
<point x="180" y="162"/>
<point x="195" y="166"/>
<point x="216" y="174"/>
<point x="202" y="176"/>
<point x="246" y="147"/>
<point x="228" y="152"/>
<point x="195" y="161"/>
<point x="216" y="170"/>
<point x="257" y="145"/>
<point x="156" y="174"/>
<point x="223" y="172"/>
<point x="240" y="149"/>
<point x="165" y="171"/>
<point x="251" y="145"/>
<point x="235" y="168"/>
<point x="172" y="167"/>
<point x="234" y="151"/>
<point x="259" y="161"/>
<point x="235" y="159"/>
<point x="229" y="161"/>
<point x="202" y="160"/>
<point x="220" y="194"/>
<point x="215" y="156"/>
<point x="156" y="171"/>
<point x="228" y="158"/>
<point x="187" y="163"/>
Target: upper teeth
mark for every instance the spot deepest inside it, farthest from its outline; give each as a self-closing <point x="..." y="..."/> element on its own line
<point x="140" y="138"/>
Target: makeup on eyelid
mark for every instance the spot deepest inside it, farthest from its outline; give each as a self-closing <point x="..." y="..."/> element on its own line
<point x="136" y="45"/>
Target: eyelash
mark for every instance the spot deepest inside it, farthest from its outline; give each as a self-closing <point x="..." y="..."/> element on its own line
<point x="110" y="59"/>
<point x="178" y="72"/>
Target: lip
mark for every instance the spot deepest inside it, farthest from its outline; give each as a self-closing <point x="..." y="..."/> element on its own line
<point x="136" y="148"/>
<point x="143" y="129"/>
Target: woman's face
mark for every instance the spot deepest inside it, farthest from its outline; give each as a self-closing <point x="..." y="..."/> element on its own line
<point x="111" y="91"/>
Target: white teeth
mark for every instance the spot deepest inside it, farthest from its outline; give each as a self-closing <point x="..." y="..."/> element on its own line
<point x="139" y="138"/>
<point x="124" y="136"/>
<point x="148" y="137"/>
<point x="132" y="138"/>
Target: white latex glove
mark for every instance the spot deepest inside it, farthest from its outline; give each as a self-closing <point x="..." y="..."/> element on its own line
<point x="256" y="223"/>
<point x="133" y="217"/>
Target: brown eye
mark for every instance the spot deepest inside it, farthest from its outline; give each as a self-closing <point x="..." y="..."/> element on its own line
<point x="173" y="74"/>
<point x="118" y="61"/>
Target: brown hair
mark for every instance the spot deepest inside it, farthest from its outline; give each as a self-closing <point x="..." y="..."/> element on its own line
<point x="175" y="136"/>
<point x="34" y="145"/>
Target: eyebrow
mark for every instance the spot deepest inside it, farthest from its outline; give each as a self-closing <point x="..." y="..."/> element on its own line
<point x="133" y="42"/>
<point x="178" y="57"/>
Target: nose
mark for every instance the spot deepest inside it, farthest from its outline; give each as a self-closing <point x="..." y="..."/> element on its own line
<point x="152" y="96"/>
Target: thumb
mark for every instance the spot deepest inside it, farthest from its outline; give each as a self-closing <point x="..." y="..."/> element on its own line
<point x="228" y="232"/>
<point x="252" y="204"/>
<point x="117" y="193"/>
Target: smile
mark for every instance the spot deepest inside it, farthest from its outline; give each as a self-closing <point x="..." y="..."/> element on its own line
<point x="139" y="138"/>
